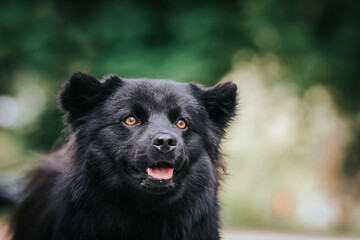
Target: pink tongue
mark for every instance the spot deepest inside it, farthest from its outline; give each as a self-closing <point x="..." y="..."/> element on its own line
<point x="160" y="173"/>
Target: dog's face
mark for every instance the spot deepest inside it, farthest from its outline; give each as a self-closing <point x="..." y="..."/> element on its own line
<point x="152" y="136"/>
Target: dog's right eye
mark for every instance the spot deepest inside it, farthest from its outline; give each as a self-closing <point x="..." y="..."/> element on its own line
<point x="130" y="120"/>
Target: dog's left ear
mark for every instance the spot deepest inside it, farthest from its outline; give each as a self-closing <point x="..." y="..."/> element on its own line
<point x="220" y="102"/>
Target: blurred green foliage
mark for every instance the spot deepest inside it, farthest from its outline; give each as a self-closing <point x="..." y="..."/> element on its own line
<point x="182" y="40"/>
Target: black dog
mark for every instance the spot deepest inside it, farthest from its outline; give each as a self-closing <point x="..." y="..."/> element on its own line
<point x="142" y="162"/>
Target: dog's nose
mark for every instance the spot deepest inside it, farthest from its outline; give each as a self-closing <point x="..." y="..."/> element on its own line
<point x="165" y="142"/>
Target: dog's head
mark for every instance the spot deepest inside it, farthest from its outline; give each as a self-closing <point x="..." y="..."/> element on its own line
<point x="152" y="136"/>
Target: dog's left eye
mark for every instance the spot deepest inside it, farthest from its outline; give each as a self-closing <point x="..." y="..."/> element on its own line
<point x="130" y="120"/>
<point x="181" y="123"/>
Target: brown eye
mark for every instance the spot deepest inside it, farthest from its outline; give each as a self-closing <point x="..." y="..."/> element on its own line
<point x="131" y="120"/>
<point x="181" y="124"/>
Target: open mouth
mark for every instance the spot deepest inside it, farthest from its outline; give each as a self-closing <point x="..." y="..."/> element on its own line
<point x="157" y="178"/>
<point x="161" y="171"/>
<point x="158" y="171"/>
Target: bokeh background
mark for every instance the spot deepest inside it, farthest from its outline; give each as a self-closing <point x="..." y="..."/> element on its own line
<point x="293" y="151"/>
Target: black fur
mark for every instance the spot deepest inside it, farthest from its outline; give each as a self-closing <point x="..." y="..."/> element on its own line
<point x="96" y="187"/>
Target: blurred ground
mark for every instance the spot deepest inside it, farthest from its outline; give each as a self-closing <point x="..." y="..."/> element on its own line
<point x="3" y="231"/>
<point x="235" y="234"/>
<point x="232" y="234"/>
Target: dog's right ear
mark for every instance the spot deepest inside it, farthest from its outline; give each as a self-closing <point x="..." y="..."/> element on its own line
<point x="83" y="92"/>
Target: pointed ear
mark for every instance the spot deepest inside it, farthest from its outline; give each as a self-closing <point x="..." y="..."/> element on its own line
<point x="220" y="102"/>
<point x="83" y="91"/>
<point x="80" y="93"/>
